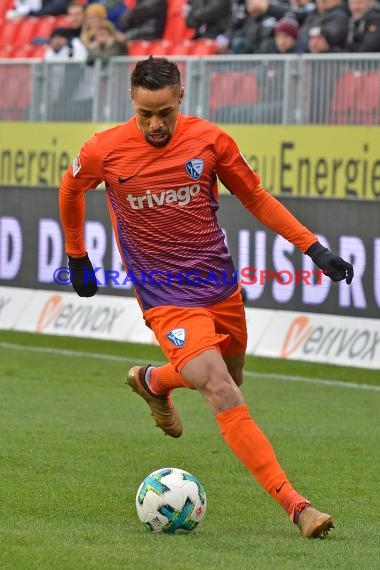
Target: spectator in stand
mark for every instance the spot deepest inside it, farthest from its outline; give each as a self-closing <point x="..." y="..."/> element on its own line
<point x="263" y="16"/>
<point x="107" y="44"/>
<point x="364" y="26"/>
<point x="285" y="38"/>
<point x="75" y="13"/>
<point x="332" y="18"/>
<point x="321" y="40"/>
<point x="209" y="18"/>
<point x="52" y="8"/>
<point x="70" y="87"/>
<point x="63" y="47"/>
<point x="115" y="9"/>
<point x="93" y="16"/>
<point x="146" y="21"/>
<point x="300" y="9"/>
<point x="233" y="39"/>
<point x="23" y="8"/>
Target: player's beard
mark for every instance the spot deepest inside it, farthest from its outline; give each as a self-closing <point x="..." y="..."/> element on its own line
<point x="158" y="141"/>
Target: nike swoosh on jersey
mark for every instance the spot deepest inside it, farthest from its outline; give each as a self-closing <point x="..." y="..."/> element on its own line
<point x="123" y="180"/>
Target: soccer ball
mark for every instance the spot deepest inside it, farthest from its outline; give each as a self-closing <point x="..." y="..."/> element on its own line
<point x="171" y="500"/>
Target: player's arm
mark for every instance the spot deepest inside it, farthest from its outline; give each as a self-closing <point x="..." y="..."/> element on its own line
<point x="85" y="173"/>
<point x="238" y="177"/>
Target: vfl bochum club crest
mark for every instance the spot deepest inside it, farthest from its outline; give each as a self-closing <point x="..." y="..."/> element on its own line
<point x="177" y="337"/>
<point x="194" y="168"/>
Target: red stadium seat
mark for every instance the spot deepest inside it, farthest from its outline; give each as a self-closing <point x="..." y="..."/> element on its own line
<point x="62" y="21"/>
<point x="6" y="52"/>
<point x="29" y="51"/>
<point x="9" y="31"/>
<point x="369" y="102"/>
<point x="203" y="46"/>
<point x="38" y="52"/>
<point x="18" y="81"/>
<point x="25" y="31"/>
<point x="356" y="98"/>
<point x="228" y="88"/>
<point x="21" y="51"/>
<point x="45" y="26"/>
<point x="154" y="47"/>
<point x="181" y="48"/>
<point x="343" y="107"/>
<point x="159" y="47"/>
<point x="5" y="5"/>
<point x="176" y="29"/>
<point x="138" y="47"/>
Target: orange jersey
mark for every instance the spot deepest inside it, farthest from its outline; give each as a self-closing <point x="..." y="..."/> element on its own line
<point x="163" y="204"/>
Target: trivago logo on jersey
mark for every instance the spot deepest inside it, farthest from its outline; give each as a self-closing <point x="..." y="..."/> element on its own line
<point x="181" y="196"/>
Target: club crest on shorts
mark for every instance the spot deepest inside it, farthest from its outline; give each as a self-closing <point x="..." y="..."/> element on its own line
<point x="177" y="337"/>
<point x="194" y="167"/>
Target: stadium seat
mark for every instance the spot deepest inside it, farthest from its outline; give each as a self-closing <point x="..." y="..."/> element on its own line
<point x="6" y="51"/>
<point x="5" y="5"/>
<point x="343" y="106"/>
<point x="9" y="31"/>
<point x="138" y="47"/>
<point x="21" y="51"/>
<point x="18" y="81"/>
<point x="25" y="31"/>
<point x="45" y="26"/>
<point x="176" y="29"/>
<point x="232" y="88"/>
<point x="203" y="46"/>
<point x="356" y="98"/>
<point x="369" y="102"/>
<point x="62" y="21"/>
<point x="159" y="47"/>
<point x="181" y="48"/>
<point x="37" y="51"/>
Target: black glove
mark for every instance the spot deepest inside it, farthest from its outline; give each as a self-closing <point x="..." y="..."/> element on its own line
<point x="332" y="265"/>
<point x="82" y="277"/>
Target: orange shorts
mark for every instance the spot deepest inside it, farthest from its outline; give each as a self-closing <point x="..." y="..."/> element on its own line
<point x="185" y="332"/>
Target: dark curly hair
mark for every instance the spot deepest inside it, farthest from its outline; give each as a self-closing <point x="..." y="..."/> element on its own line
<point x="155" y="73"/>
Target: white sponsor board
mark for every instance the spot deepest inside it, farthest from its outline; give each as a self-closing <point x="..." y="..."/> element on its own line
<point x="13" y="301"/>
<point x="279" y="334"/>
<point x="347" y="341"/>
<point x="107" y="317"/>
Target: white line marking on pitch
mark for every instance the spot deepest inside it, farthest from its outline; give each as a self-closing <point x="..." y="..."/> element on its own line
<point x="115" y="358"/>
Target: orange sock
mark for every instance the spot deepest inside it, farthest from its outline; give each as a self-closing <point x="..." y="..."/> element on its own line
<point x="164" y="378"/>
<point x="252" y="447"/>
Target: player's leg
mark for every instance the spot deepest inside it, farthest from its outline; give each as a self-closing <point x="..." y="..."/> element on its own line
<point x="181" y="333"/>
<point x="208" y="373"/>
<point x="198" y="359"/>
<point x="161" y="406"/>
<point x="163" y="379"/>
<point x="235" y="365"/>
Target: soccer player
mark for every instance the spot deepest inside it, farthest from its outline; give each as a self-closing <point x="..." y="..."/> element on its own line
<point x="161" y="169"/>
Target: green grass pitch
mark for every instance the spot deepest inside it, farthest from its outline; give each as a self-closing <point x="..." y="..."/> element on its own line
<point x="76" y="443"/>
